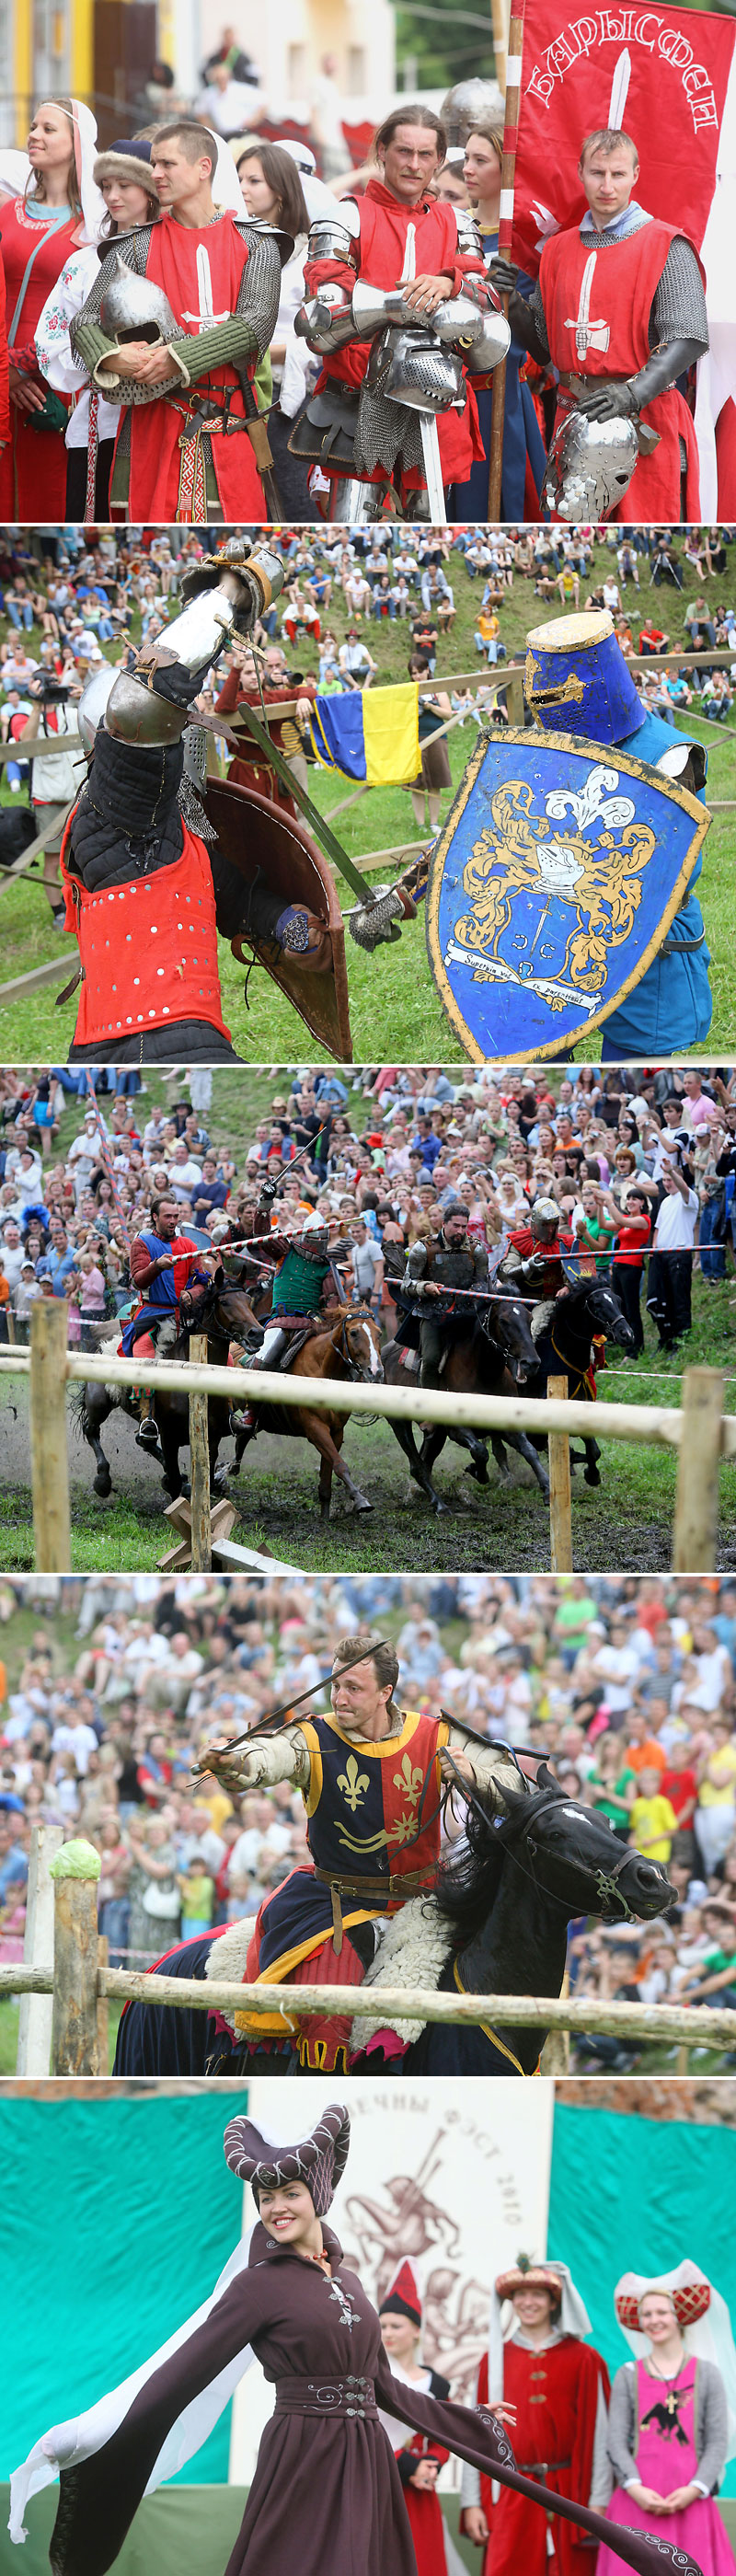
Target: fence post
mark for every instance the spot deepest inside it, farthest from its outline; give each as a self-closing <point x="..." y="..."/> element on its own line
<point x="75" y="2049"/>
<point x="695" y="1538"/>
<point x="36" y="2011"/>
<point x="560" y="1510"/>
<point x="47" y="1416"/>
<point x="103" y="2008"/>
<point x="200" y="1457"/>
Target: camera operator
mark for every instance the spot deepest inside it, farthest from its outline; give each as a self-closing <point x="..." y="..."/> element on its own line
<point x="56" y="777"/>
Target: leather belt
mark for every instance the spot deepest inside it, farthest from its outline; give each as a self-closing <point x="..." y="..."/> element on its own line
<point x="415" y="1882"/>
<point x="542" y="2468"/>
<point x="353" y="2397"/>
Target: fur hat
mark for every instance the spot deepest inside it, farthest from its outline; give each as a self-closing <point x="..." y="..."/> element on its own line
<point x="128" y="160"/>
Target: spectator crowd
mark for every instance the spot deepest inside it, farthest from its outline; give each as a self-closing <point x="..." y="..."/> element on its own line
<point x="641" y="1165"/>
<point x="627" y="1685"/>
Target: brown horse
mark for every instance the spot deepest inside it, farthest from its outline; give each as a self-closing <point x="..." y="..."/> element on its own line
<point x="346" y="1347"/>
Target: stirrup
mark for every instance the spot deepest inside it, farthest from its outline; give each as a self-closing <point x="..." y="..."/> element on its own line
<point x="147" y="1433"/>
<point x="242" y="1419"/>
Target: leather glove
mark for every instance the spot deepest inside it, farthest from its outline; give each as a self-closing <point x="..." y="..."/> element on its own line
<point x="503" y="275"/>
<point x="615" y="401"/>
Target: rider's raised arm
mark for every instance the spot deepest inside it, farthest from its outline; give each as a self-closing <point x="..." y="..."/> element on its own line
<point x="272" y="1757"/>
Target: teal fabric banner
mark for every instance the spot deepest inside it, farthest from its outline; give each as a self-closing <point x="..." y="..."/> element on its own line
<point x="119" y="2216"/>
<point x="633" y="2195"/>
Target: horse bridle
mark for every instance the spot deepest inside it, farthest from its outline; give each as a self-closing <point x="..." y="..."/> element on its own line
<point x="355" y="1314"/>
<point x="605" y="1881"/>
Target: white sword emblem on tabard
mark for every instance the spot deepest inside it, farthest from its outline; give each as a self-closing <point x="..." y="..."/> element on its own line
<point x="206" y="317"/>
<point x="588" y="335"/>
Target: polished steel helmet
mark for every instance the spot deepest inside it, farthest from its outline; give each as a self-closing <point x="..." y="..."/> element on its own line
<point x="544" y="1217"/>
<point x="410" y="367"/>
<point x="134" y="308"/>
<point x="466" y="103"/>
<point x="589" y="467"/>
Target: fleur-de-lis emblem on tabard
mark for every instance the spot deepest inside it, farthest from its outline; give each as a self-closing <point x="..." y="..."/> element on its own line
<point x="409" y="1781"/>
<point x="353" y="1783"/>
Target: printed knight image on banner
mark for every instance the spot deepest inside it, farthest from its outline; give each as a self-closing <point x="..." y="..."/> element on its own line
<point x="455" y="2182"/>
<point x="667" y="77"/>
<point x="552" y="887"/>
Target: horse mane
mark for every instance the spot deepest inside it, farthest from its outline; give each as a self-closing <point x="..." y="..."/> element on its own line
<point x="468" y="1886"/>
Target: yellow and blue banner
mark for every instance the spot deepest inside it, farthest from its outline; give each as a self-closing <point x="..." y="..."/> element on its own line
<point x="370" y="734"/>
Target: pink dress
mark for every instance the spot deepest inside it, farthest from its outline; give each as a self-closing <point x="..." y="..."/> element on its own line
<point x="665" y="2458"/>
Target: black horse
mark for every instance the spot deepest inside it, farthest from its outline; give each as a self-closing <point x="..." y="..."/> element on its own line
<point x="585" y="1311"/>
<point x="493" y="1355"/>
<point x="504" y="1907"/>
<point x="224" y="1313"/>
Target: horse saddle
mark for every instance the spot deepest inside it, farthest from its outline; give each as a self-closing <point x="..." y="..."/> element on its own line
<point x="265" y="842"/>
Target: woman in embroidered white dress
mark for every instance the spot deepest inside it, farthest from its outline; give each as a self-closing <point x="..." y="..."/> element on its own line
<point x="123" y="176"/>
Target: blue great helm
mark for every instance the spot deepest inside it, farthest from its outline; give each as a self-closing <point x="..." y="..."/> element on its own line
<point x="577" y="680"/>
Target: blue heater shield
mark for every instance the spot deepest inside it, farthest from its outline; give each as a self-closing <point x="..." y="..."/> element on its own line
<point x="554" y="882"/>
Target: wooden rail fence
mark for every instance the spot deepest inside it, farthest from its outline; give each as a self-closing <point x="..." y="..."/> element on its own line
<point x="81" y="1985"/>
<point x="700" y="1432"/>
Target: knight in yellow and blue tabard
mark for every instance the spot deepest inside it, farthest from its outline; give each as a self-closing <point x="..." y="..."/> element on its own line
<point x="371" y="1776"/>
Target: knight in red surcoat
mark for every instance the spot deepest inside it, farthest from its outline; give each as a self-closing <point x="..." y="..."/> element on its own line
<point x="360" y="433"/>
<point x="619" y="309"/>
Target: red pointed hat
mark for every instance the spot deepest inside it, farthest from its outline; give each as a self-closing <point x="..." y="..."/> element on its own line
<point x="402" y="2298"/>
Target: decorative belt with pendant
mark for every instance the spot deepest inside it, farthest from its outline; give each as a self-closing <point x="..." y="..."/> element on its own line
<point x="356" y="2397"/>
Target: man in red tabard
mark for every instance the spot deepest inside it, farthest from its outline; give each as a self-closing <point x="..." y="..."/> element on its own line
<point x="619" y="308"/>
<point x="398" y="233"/>
<point x="534" y="1255"/>
<point x="560" y="2390"/>
<point x="187" y="455"/>
<point x="250" y="767"/>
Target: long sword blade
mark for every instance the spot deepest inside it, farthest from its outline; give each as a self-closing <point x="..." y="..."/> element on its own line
<point x="432" y="468"/>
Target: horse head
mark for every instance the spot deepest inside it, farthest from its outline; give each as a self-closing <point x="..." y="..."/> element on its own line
<point x="508" y="1320"/>
<point x="574" y="1855"/>
<point x="359" y="1343"/>
<point x="217" y="1308"/>
<point x="602" y="1310"/>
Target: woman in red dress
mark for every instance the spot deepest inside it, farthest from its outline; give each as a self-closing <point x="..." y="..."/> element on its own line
<point x="37" y="232"/>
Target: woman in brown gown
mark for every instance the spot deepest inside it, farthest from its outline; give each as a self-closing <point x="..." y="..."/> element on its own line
<point x="326" y="2495"/>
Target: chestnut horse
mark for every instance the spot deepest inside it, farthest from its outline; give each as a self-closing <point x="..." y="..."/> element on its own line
<point x="346" y="1347"/>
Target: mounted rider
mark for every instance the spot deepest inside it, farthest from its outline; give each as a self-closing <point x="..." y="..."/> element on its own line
<point x="537" y="1261"/>
<point x="164" y="1264"/>
<point x="436" y="1272"/>
<point x="304" y="1262"/>
<point x="371" y="1776"/>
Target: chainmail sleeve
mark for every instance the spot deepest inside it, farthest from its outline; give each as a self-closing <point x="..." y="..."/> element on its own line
<point x="260" y="285"/>
<point x="679" y="310"/>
